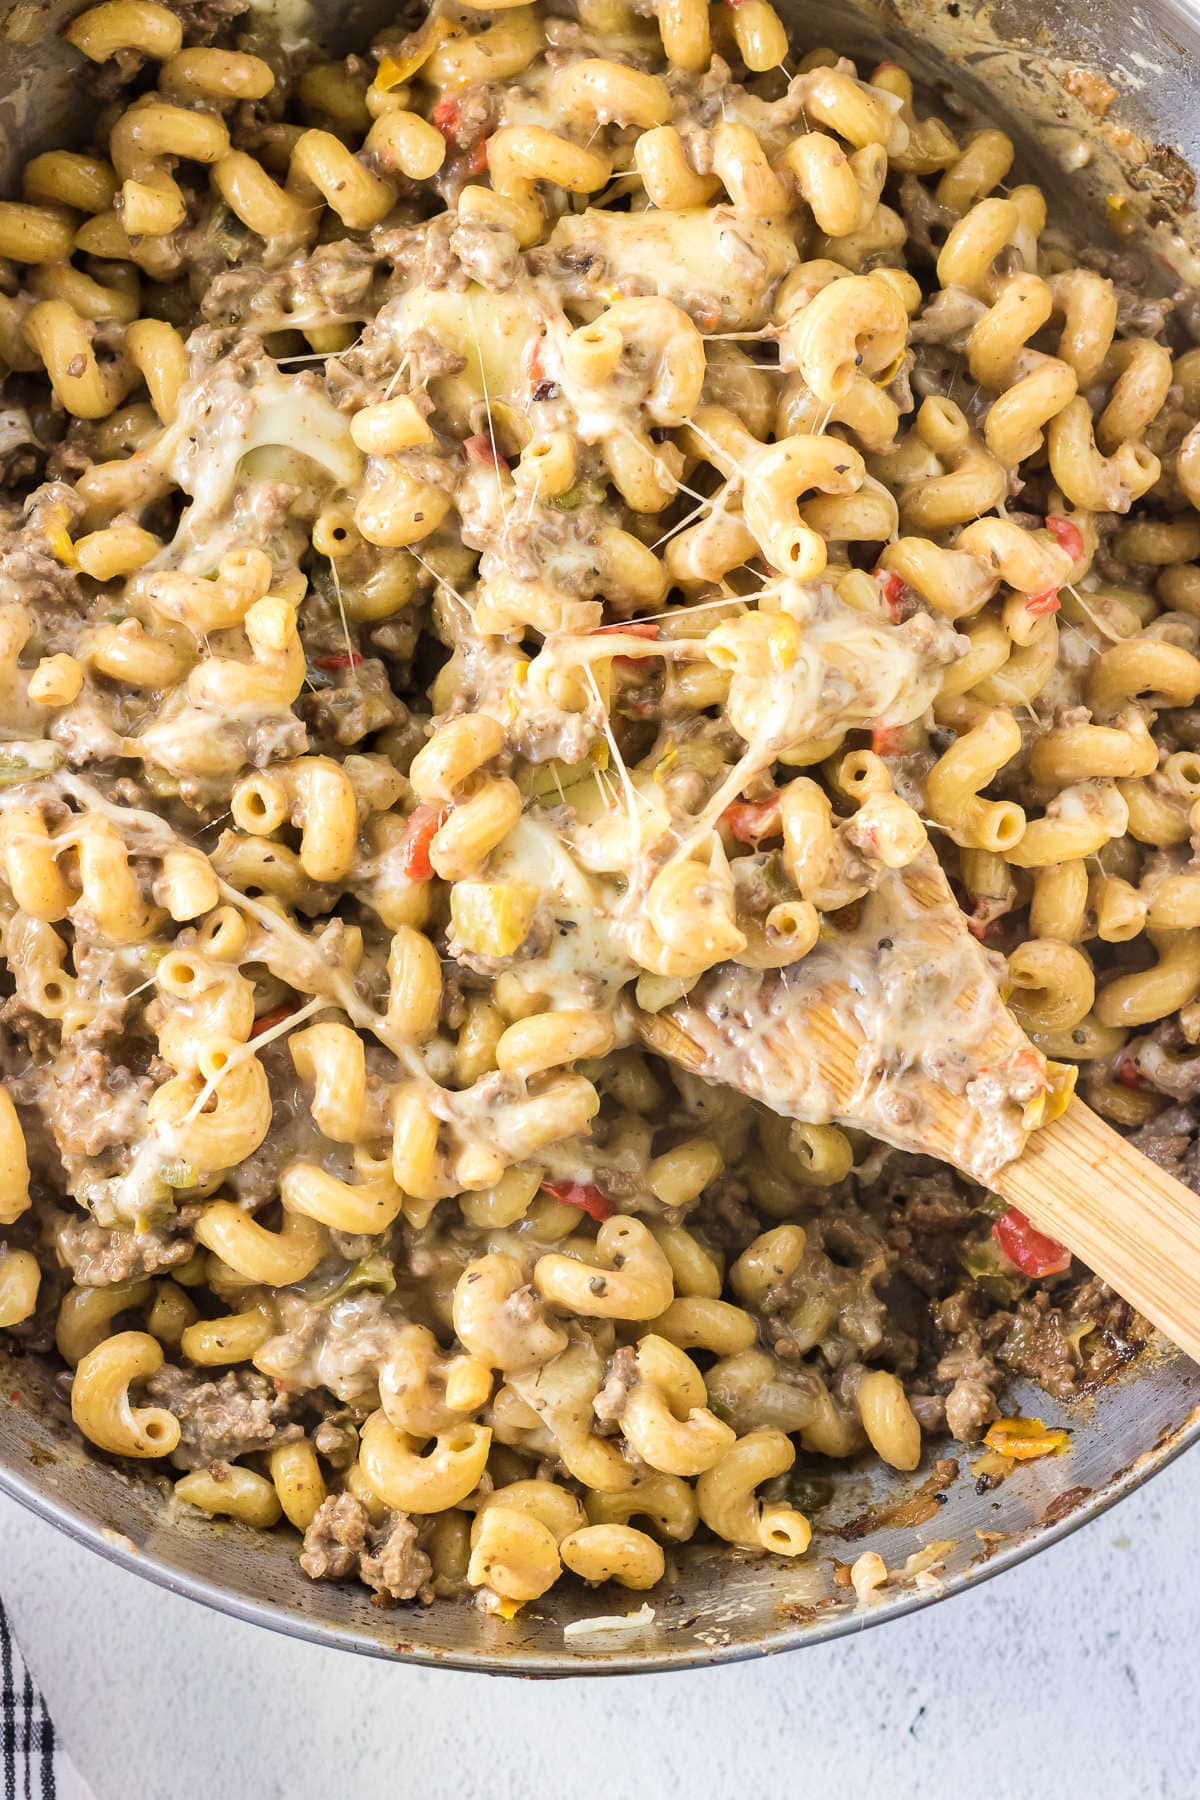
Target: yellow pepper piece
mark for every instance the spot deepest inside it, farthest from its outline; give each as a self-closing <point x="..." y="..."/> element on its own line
<point x="993" y="1463"/>
<point x="1120" y="215"/>
<point x="59" y="538"/>
<point x="1025" y="1439"/>
<point x="1062" y="1078"/>
<point x="1049" y="1105"/>
<point x="393" y="71"/>
<point x="888" y="375"/>
<point x="784" y="640"/>
<point x="492" y="918"/>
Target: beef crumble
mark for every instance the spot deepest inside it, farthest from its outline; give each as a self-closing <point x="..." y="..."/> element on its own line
<point x="341" y="1542"/>
<point x="221" y="1419"/>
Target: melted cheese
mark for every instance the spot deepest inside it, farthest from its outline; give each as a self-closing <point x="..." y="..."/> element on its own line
<point x="850" y="670"/>
<point x="583" y="964"/>
<point x="221" y="423"/>
<point x="721" y="266"/>
<point x="293" y="23"/>
<point x="494" y="333"/>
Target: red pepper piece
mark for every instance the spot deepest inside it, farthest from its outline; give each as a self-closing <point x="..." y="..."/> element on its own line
<point x="893" y="590"/>
<point x="750" y="821"/>
<point x="1031" y="1250"/>
<point x="1127" y="1071"/>
<point x="535" y="369"/>
<point x="266" y="1021"/>
<point x="583" y="1194"/>
<point x="480" y="449"/>
<point x="477" y="161"/>
<point x="345" y="659"/>
<point x="1045" y="602"/>
<point x="1068" y="535"/>
<point x="424" y="823"/>
<point x="446" y="115"/>
<point x="641" y="628"/>
<point x="887" y="740"/>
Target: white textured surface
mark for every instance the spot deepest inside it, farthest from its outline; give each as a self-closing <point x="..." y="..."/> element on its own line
<point x="1071" y="1678"/>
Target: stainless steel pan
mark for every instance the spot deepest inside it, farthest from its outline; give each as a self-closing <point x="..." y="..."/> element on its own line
<point x="1033" y="64"/>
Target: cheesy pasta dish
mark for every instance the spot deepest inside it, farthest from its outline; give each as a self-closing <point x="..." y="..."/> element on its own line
<point x="541" y="532"/>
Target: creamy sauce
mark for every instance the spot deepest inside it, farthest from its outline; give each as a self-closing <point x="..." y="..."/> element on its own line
<point x="711" y="260"/>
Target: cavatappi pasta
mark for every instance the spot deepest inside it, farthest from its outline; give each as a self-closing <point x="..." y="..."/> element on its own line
<point x="561" y="505"/>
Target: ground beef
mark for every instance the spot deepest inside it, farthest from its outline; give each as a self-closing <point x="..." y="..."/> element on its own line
<point x="928" y="221"/>
<point x="1117" y="1331"/>
<point x="969" y="1406"/>
<point x="395" y="1567"/>
<point x="21" y="454"/>
<point x="948" y="318"/>
<point x="971" y="1402"/>
<point x="340" y="1346"/>
<point x="362" y="702"/>
<point x="930" y="1196"/>
<point x="100" y="1258"/>
<point x="1142" y="315"/>
<point x="1068" y="1343"/>
<point x="25" y="1035"/>
<point x="1187" y="311"/>
<point x="275" y="739"/>
<point x="220" y="1420"/>
<point x="331" y="285"/>
<point x="425" y="251"/>
<point x="336" y="1442"/>
<point x="97" y="1104"/>
<point x="486" y="256"/>
<point x="1170" y="1140"/>
<point x="74" y="453"/>
<point x="204" y="21"/>
<point x="367" y="372"/>
<point x="335" y="1540"/>
<point x="1038" y="1346"/>
<point x="929" y="1210"/>
<point x="109" y="80"/>
<point x="553" y="733"/>
<point x="31" y="574"/>
<point x="609" y="1404"/>
<point x="341" y="1542"/>
<point x="1167" y="1061"/>
<point x="929" y="1410"/>
<point x="730" y="1222"/>
<point x="396" y="640"/>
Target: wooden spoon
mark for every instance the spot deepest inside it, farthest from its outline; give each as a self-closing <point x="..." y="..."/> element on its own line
<point x="893" y="1024"/>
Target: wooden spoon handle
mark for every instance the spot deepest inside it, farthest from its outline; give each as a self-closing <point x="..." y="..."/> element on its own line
<point x="1077" y="1180"/>
<point x="1136" y="1226"/>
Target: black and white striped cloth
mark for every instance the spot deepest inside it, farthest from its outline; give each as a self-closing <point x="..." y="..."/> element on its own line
<point x="33" y="1763"/>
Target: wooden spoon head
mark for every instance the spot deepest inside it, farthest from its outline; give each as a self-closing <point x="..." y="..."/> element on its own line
<point x="892" y="1024"/>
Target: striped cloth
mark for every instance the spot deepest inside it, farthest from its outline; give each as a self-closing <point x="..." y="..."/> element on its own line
<point x="33" y="1764"/>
